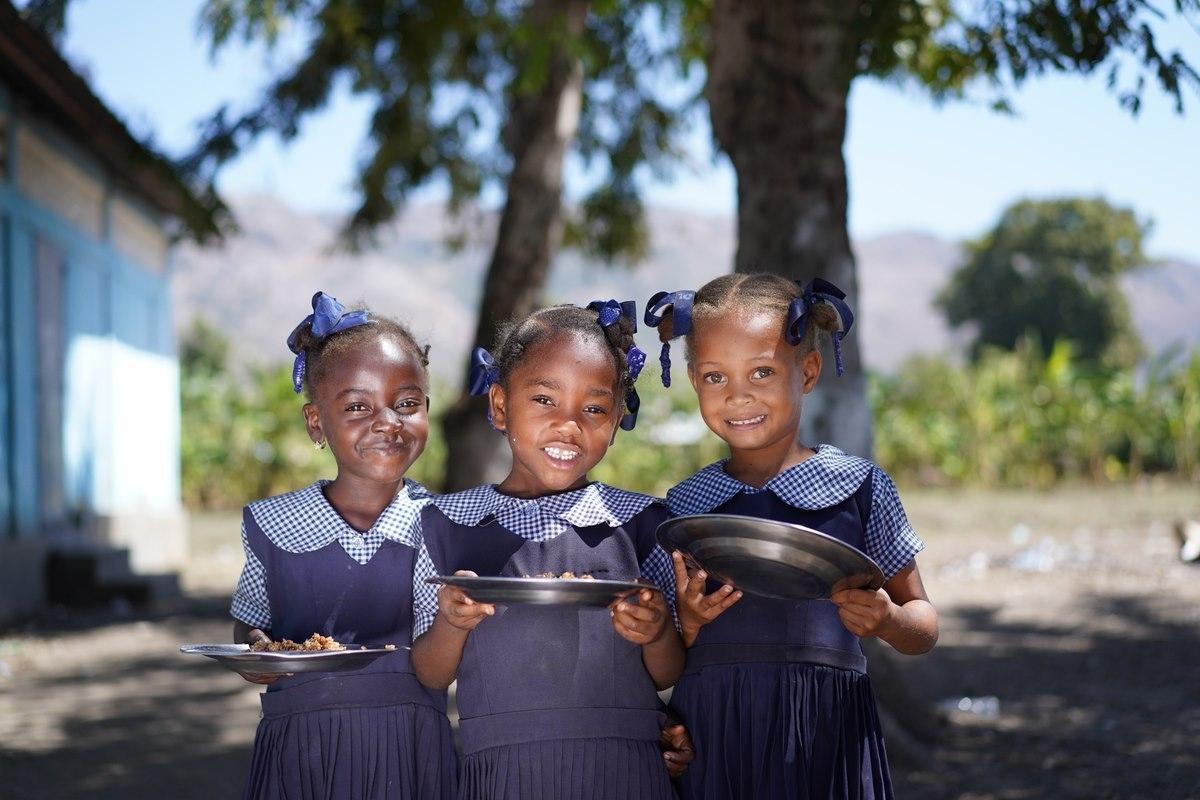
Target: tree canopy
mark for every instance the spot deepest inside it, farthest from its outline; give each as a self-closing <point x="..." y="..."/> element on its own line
<point x="1051" y="268"/>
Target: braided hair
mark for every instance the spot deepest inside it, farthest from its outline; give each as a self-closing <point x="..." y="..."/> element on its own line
<point x="758" y="292"/>
<point x="517" y="340"/>
<point x="320" y="353"/>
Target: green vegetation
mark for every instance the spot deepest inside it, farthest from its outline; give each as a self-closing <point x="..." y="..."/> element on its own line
<point x="1051" y="269"/>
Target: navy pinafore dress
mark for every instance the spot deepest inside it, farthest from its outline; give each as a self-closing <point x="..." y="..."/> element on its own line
<point x="553" y="704"/>
<point x="372" y="733"/>
<point x="775" y="692"/>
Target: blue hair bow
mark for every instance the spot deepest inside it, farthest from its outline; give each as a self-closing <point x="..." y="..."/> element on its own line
<point x="680" y="305"/>
<point x="609" y="313"/>
<point x="819" y="292"/>
<point x="328" y="317"/>
<point x="484" y="372"/>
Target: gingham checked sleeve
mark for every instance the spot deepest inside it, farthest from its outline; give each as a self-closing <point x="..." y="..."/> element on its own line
<point x="890" y="540"/>
<point x="425" y="604"/>
<point x="250" y="602"/>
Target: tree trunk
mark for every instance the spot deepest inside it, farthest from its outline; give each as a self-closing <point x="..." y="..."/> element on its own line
<point x="778" y="83"/>
<point x="540" y="128"/>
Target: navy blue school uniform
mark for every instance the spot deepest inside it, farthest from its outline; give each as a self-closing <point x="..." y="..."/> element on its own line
<point x="371" y="733"/>
<point x="775" y="692"/>
<point x="552" y="702"/>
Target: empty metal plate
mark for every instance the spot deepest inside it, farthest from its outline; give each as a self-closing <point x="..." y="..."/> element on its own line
<point x="240" y="658"/>
<point x="770" y="558"/>
<point x="540" y="591"/>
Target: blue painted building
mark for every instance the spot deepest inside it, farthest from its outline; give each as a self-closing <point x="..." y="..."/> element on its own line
<point x="89" y="379"/>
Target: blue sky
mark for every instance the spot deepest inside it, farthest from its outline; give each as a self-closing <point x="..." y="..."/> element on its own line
<point x="947" y="170"/>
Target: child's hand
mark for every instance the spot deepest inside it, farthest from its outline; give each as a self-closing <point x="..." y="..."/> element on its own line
<point x="865" y="612"/>
<point x="676" y="748"/>
<point x="459" y="610"/>
<point x="697" y="609"/>
<point x="645" y="622"/>
<point x="261" y="678"/>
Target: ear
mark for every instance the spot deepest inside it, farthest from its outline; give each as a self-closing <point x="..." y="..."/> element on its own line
<point x="499" y="405"/>
<point x="810" y="368"/>
<point x="312" y="421"/>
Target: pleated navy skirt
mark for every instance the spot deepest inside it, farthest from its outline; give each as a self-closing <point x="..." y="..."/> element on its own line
<point x="567" y="769"/>
<point x="799" y="731"/>
<point x="319" y="746"/>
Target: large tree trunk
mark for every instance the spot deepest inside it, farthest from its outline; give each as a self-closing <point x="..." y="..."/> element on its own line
<point x="540" y="128"/>
<point x="778" y="83"/>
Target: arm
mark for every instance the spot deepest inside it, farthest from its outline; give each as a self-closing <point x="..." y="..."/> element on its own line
<point x="437" y="653"/>
<point x="648" y="623"/>
<point x="900" y="613"/>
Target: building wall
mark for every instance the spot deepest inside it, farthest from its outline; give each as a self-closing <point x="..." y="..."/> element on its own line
<point x="89" y="379"/>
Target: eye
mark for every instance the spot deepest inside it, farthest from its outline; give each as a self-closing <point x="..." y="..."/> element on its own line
<point x="542" y="400"/>
<point x="713" y="378"/>
<point x="356" y="407"/>
<point x="762" y="372"/>
<point x="409" y="404"/>
<point x="595" y="410"/>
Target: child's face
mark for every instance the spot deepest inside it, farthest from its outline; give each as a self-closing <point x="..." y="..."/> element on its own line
<point x="750" y="381"/>
<point x="372" y="408"/>
<point x="560" y="413"/>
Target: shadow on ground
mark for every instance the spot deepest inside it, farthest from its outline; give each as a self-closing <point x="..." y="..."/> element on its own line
<point x="1095" y="711"/>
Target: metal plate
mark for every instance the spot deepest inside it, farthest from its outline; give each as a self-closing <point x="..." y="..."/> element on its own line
<point x="540" y="591"/>
<point x="240" y="658"/>
<point x="770" y="558"/>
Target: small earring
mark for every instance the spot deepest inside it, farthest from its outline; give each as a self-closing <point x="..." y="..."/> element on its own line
<point x="319" y="445"/>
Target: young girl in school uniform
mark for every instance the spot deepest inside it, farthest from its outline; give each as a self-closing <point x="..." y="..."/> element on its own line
<point x="336" y="558"/>
<point x="555" y="702"/>
<point x="775" y="692"/>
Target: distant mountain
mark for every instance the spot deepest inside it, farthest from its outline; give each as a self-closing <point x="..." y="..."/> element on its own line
<point x="257" y="286"/>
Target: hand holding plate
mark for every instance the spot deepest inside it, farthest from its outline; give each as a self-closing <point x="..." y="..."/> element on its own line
<point x="865" y="612"/>
<point x="696" y="609"/>
<point x="642" y="622"/>
<point x="460" y="610"/>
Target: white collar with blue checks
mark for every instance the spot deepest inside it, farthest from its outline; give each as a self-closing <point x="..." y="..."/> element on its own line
<point x="303" y="521"/>
<point x="824" y="479"/>
<point x="542" y="518"/>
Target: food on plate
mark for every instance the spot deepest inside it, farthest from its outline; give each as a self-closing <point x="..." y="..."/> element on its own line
<point x="313" y="643"/>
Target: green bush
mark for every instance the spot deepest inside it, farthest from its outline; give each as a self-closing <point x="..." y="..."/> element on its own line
<point x="1018" y="419"/>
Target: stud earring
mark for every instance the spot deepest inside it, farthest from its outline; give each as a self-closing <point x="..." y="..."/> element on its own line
<point x="319" y="445"/>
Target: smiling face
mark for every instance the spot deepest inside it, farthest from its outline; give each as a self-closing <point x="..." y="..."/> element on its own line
<point x="559" y="411"/>
<point x="372" y="407"/>
<point x="750" y="381"/>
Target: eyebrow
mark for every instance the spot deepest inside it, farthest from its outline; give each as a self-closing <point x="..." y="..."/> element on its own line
<point x="765" y="356"/>
<point x="358" y="390"/>
<point x="553" y="385"/>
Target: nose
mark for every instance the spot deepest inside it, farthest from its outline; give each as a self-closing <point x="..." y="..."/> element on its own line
<point x="388" y="419"/>
<point x="738" y="392"/>
<point x="568" y="425"/>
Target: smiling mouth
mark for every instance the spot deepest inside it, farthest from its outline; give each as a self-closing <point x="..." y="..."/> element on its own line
<point x="561" y="454"/>
<point x="746" y="423"/>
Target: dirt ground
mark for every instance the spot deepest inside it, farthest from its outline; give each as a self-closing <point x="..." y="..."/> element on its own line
<point x="1067" y="622"/>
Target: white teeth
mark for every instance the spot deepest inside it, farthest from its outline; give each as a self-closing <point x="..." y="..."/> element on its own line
<point x="559" y="454"/>
<point x="751" y="421"/>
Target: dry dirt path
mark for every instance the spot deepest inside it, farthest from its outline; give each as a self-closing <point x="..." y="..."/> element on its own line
<point x="1068" y="607"/>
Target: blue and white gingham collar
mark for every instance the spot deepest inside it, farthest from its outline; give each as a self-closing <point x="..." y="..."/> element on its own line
<point x="824" y="479"/>
<point x="303" y="521"/>
<point x="543" y="518"/>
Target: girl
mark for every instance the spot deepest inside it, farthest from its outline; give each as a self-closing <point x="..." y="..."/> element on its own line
<point x="775" y="692"/>
<point x="336" y="558"/>
<point x="556" y="702"/>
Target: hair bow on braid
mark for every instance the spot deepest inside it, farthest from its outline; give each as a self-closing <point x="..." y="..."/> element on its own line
<point x="820" y="292"/>
<point x="484" y="373"/>
<point x="328" y="317"/>
<point x="680" y="305"/>
<point x="609" y="313"/>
